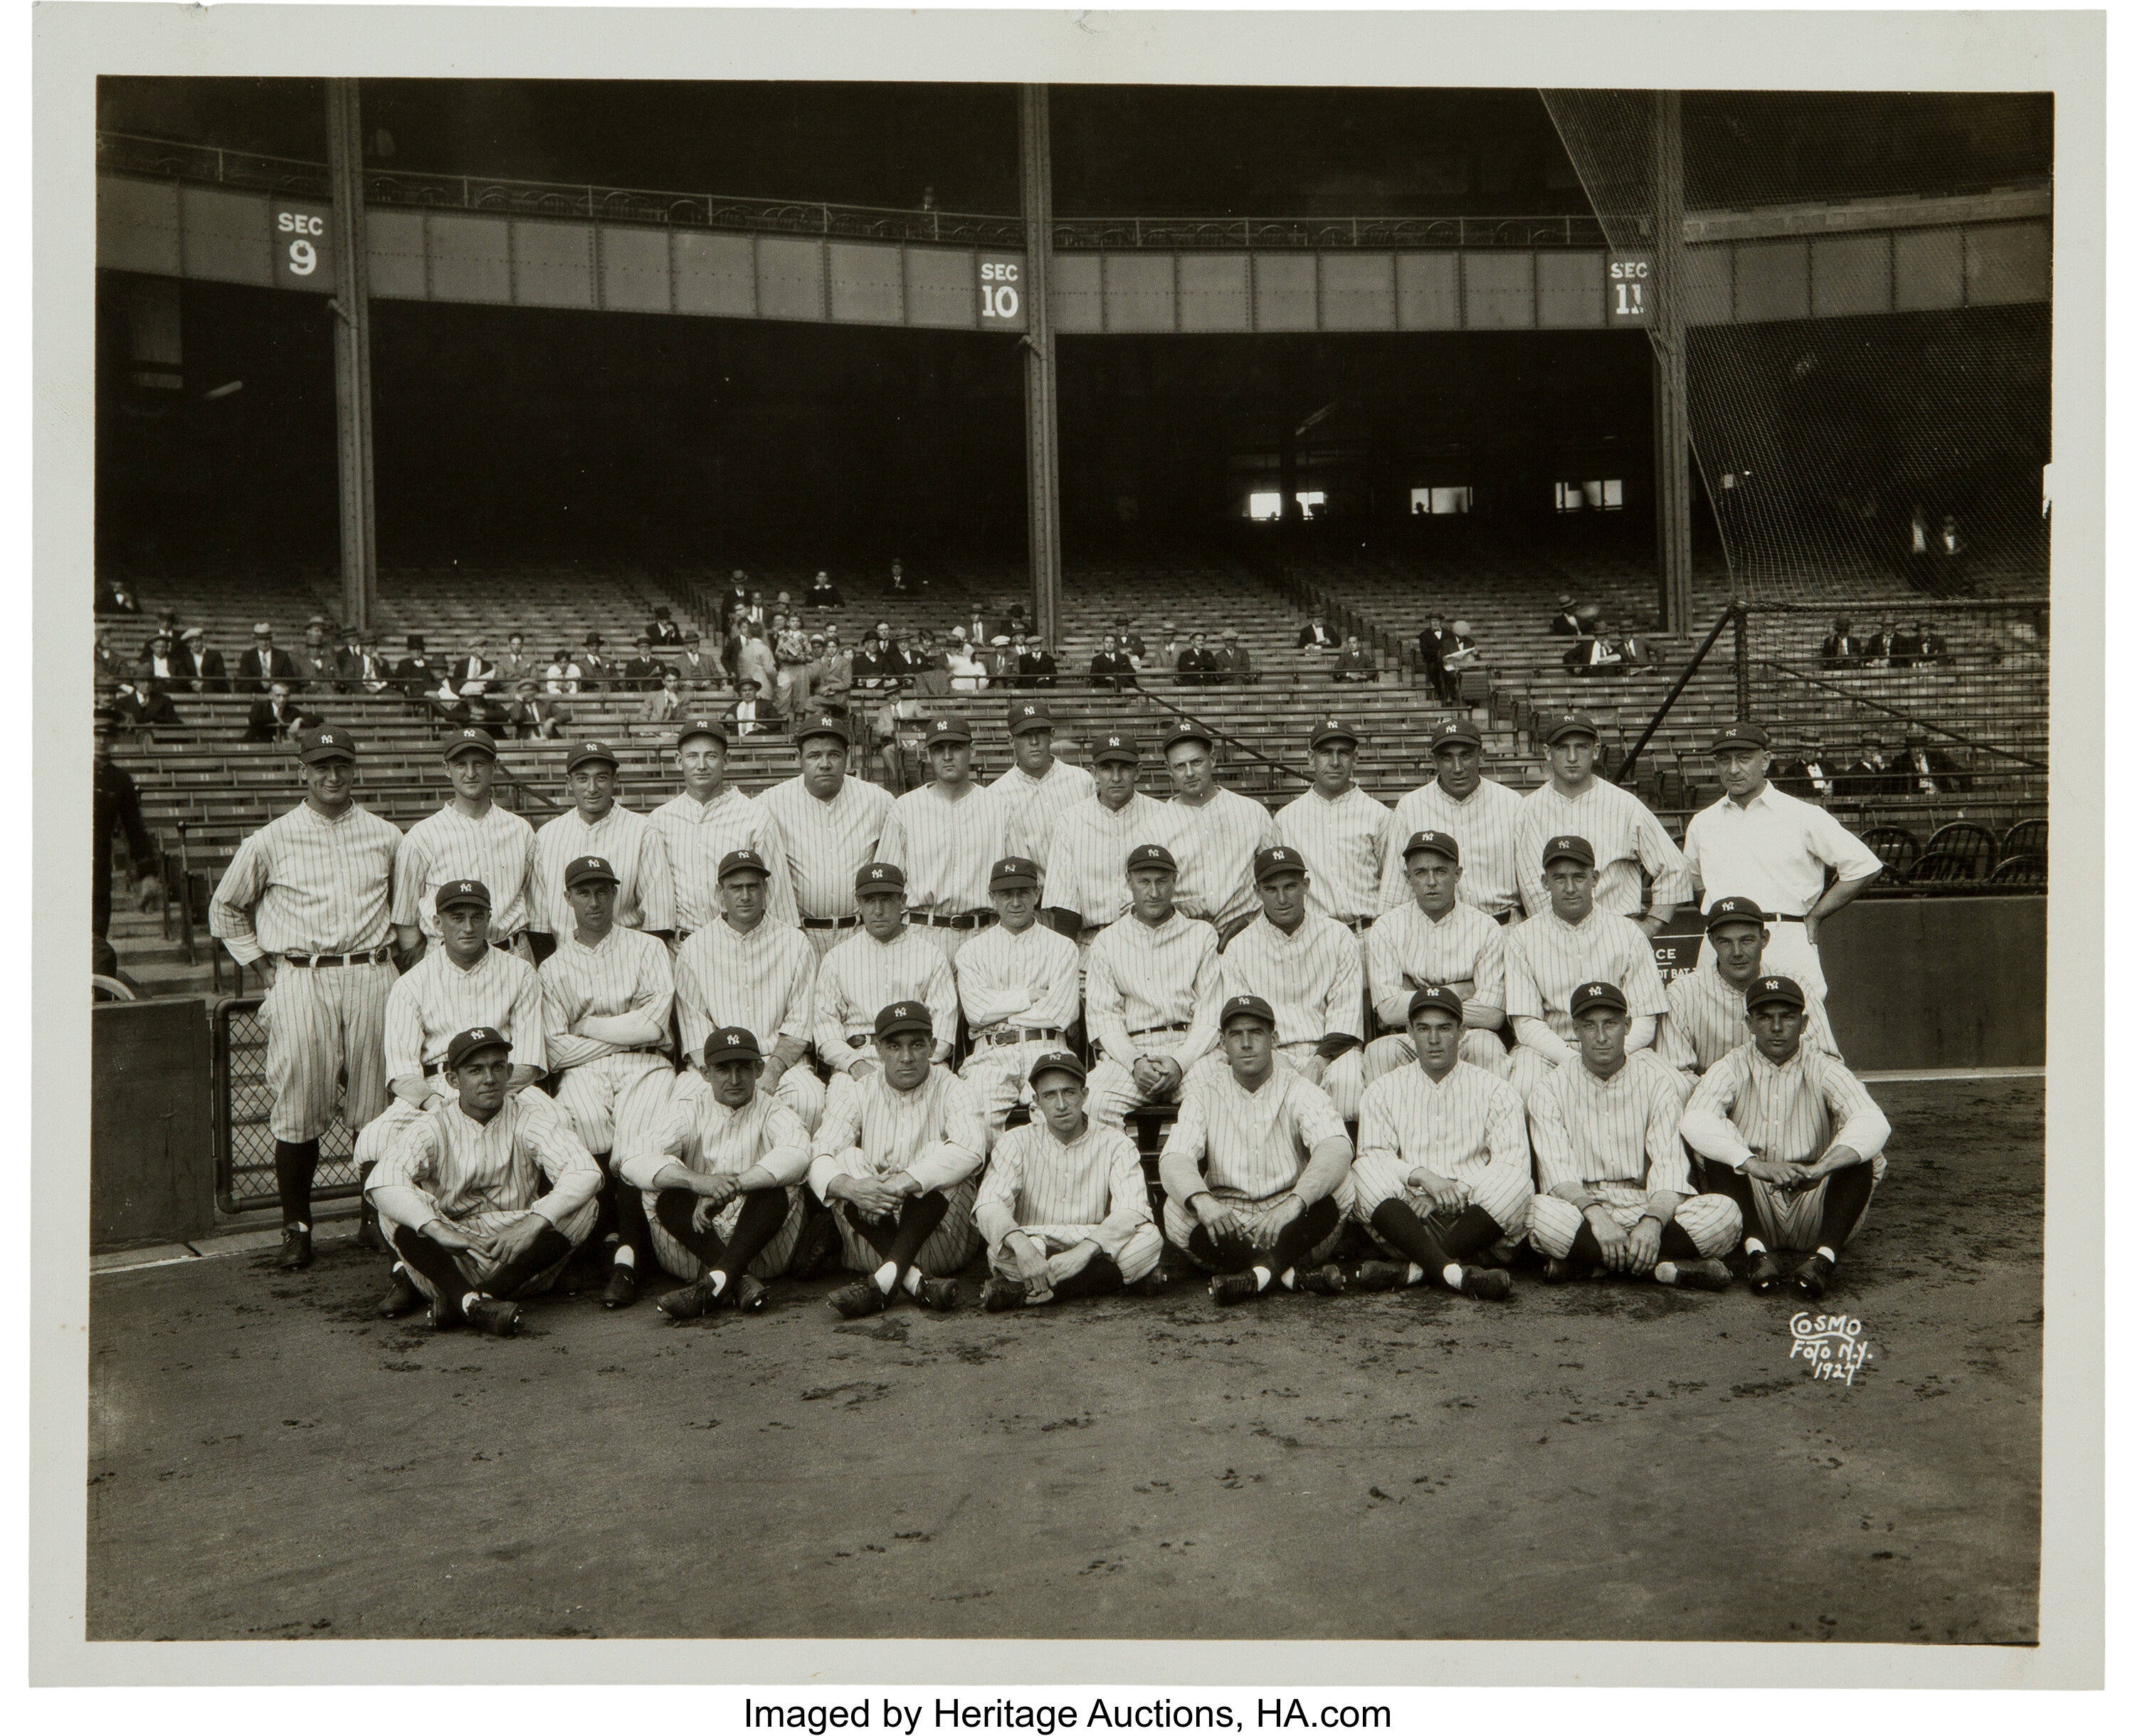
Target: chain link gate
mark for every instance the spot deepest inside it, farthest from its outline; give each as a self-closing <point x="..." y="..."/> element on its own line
<point x="244" y="1147"/>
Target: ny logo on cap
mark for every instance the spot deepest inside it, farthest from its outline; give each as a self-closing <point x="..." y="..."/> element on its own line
<point x="466" y="886"/>
<point x="479" y="1032"/>
<point x="1769" y="983"/>
<point x="876" y="874"/>
<point x="1030" y="710"/>
<point x="328" y="739"/>
<point x="733" y="1042"/>
<point x="904" y="1010"/>
<point x="1114" y="741"/>
<point x="1279" y="855"/>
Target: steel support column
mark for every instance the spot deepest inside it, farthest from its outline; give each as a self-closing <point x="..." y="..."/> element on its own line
<point x="1041" y="399"/>
<point x="1671" y="370"/>
<point x="351" y="307"/>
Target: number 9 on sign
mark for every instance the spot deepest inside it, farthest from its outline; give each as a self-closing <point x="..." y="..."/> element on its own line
<point x="303" y="258"/>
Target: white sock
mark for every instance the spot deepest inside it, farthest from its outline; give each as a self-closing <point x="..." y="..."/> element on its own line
<point x="885" y="1277"/>
<point x="469" y="1300"/>
<point x="718" y="1283"/>
<point x="306" y="1228"/>
<point x="1752" y="1244"/>
<point x="1262" y="1277"/>
<point x="913" y="1276"/>
<point x="1829" y="1254"/>
<point x="1452" y="1275"/>
<point x="1664" y="1272"/>
<point x="1415" y="1273"/>
<point x="627" y="1255"/>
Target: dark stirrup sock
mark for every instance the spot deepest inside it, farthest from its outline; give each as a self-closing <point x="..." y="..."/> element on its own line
<point x="435" y="1263"/>
<point x="296" y="1164"/>
<point x="550" y="1247"/>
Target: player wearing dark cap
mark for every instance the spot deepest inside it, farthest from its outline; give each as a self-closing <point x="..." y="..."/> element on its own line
<point x="1085" y="882"/>
<point x="1339" y="831"/>
<point x="471" y="837"/>
<point x="596" y="824"/>
<point x="946" y="835"/>
<point x="1707" y="1017"/>
<point x="1618" y="827"/>
<point x="1219" y="833"/>
<point x="1436" y="939"/>
<point x="1479" y="813"/>
<point x="1018" y="984"/>
<point x="885" y="962"/>
<point x="1038" y="788"/>
<point x="1151" y="995"/>
<point x="707" y="820"/>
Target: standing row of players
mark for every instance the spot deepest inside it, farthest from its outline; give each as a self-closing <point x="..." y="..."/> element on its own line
<point x="597" y="1020"/>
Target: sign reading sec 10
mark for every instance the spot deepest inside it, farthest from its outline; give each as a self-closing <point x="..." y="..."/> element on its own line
<point x="1001" y="291"/>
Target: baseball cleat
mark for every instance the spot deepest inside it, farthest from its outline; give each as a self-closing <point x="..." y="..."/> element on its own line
<point x="1238" y="1287"/>
<point x="1325" y="1280"/>
<point x="1380" y="1275"/>
<point x="998" y="1295"/>
<point x="1153" y="1285"/>
<point x="938" y="1293"/>
<point x="493" y="1315"/>
<point x="1762" y="1271"/>
<point x="1812" y="1276"/>
<point x="692" y="1301"/>
<point x="1702" y="1275"/>
<point x="296" y="1252"/>
<point x="622" y="1289"/>
<point x="403" y="1298"/>
<point x="369" y="1235"/>
<point x="1562" y="1271"/>
<point x="749" y="1295"/>
<point x="857" y="1301"/>
<point x="445" y="1316"/>
<point x="1488" y="1282"/>
<point x="817" y="1235"/>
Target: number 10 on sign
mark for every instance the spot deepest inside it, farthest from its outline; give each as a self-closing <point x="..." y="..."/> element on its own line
<point x="1000" y="290"/>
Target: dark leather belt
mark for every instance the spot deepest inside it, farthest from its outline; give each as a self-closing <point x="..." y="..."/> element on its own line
<point x="1150" y="1030"/>
<point x="829" y="922"/>
<point x="431" y="1069"/>
<point x="1025" y="1034"/>
<point x="506" y="945"/>
<point x="1803" y="920"/>
<point x="969" y="919"/>
<point x="322" y="961"/>
<point x="1359" y="923"/>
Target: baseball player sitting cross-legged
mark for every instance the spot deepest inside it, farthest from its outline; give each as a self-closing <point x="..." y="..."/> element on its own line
<point x="461" y="1192"/>
<point x="1150" y="1001"/>
<point x="894" y="1160"/>
<point x="1443" y="1172"/>
<point x="1437" y="938"/>
<point x="1819" y="1139"/>
<point x="1017" y="981"/>
<point x="1063" y="1208"/>
<point x="1256" y="1171"/>
<point x="721" y="1176"/>
<point x="1708" y="1018"/>
<point x="1615" y="1188"/>
<point x="606" y="994"/>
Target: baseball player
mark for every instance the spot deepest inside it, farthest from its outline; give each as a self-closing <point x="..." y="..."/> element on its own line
<point x="1018" y="984"/>
<point x="1339" y="831"/>
<point x="1437" y="940"/>
<point x="709" y="819"/>
<point x="1086" y="881"/>
<point x="1478" y="813"/>
<point x="1614" y="1190"/>
<point x="1569" y="943"/>
<point x="1443" y="1170"/>
<point x="742" y="968"/>
<point x="1256" y="1172"/>
<point x="1792" y="1137"/>
<point x="1306" y="966"/>
<point x="832" y="824"/>
<point x="461" y="982"/>
<point x="607" y="994"/>
<point x="884" y="962"/>
<point x="1038" y="788"/>
<point x="1219" y="833"/>
<point x="944" y="835"/>
<point x="308" y="902"/>
<point x="1618" y="827"/>
<point x="485" y="1197"/>
<point x="1760" y="843"/>
<point x="721" y="1175"/>
<point x="1150" y="999"/>
<point x="894" y="1161"/>
<point x="469" y="838"/>
<point x="1708" y="1016"/>
<point x="596" y="826"/>
<point x="1063" y="1208"/>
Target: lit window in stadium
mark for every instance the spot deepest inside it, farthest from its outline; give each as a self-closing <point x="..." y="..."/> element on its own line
<point x="1270" y="504"/>
<point x="1435" y="501"/>
<point x="1605" y="496"/>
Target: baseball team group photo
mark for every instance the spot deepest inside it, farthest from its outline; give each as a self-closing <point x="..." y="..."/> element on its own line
<point x="1080" y="862"/>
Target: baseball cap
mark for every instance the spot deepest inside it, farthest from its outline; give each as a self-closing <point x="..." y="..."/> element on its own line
<point x="704" y="726"/>
<point x="1733" y="910"/>
<point x="1013" y="870"/>
<point x="1577" y="848"/>
<point x="1276" y="859"/>
<point x="1442" y="843"/>
<point x="1332" y="728"/>
<point x="1189" y="732"/>
<point x="469" y="741"/>
<point x="742" y="861"/>
<point x="463" y="892"/>
<point x="1245" y="1006"/>
<point x="825" y="724"/>
<point x="1027" y="715"/>
<point x="314" y="747"/>
<point x="587" y="752"/>
<point x="1058" y="1061"/>
<point x="1117" y="747"/>
<point x="1435" y="995"/>
<point x="1598" y="994"/>
<point x="1569" y="723"/>
<point x="1151" y="855"/>
<point x="1783" y="989"/>
<point x="1742" y="734"/>
<point x="903" y="1016"/>
<point x="878" y="877"/>
<point x="585" y="869"/>
<point x="1448" y="731"/>
<point x="473" y="1042"/>
<point x="948" y="728"/>
<point x="732" y="1043"/>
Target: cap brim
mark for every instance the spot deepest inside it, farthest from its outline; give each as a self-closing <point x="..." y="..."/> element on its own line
<point x="467" y="1055"/>
<point x="323" y="756"/>
<point x="464" y="904"/>
<point x="904" y="1024"/>
<point x="591" y="880"/>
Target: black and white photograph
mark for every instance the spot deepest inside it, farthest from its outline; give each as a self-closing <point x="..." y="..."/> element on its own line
<point x="1128" y="857"/>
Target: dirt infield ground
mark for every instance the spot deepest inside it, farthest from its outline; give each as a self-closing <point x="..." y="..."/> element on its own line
<point x="1605" y="1461"/>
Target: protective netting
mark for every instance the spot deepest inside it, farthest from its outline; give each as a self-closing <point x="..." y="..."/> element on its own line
<point x="1868" y="398"/>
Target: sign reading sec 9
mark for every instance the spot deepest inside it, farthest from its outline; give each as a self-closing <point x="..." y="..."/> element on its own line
<point x="300" y="237"/>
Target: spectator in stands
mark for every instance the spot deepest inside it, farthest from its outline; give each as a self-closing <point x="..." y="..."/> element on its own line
<point x="789" y="647"/>
<point x="824" y="595"/>
<point x="1596" y="654"/>
<point x="533" y="714"/>
<point x="757" y="662"/>
<point x="1353" y="663"/>
<point x="661" y="630"/>
<point x="1461" y="653"/>
<point x="1196" y="663"/>
<point x="752" y="714"/>
<point x="1565" y="621"/>
<point x="1635" y="650"/>
<point x="697" y="672"/>
<point x="756" y="613"/>
<point x="277" y="717"/>
<point x="1038" y="667"/>
<point x="1930" y="771"/>
<point x="665" y="703"/>
<point x="1313" y="635"/>
<point x="315" y="667"/>
<point x="110" y="668"/>
<point x="1876" y="654"/>
<point x="1431" y="645"/>
<point x="1111" y="667"/>
<point x="516" y="666"/>
<point x="1234" y="662"/>
<point x="871" y="670"/>
<point x="733" y="599"/>
<point x="977" y="631"/>
<point x="1808" y="774"/>
<point x="413" y="674"/>
<point x="896" y="576"/>
<point x="1000" y="662"/>
<point x="1872" y="776"/>
<point x="1840" y="649"/>
<point x="1169" y="647"/>
<point x="596" y="673"/>
<point x="211" y="675"/>
<point x="142" y="705"/>
<point x="466" y="687"/>
<point x="833" y="677"/>
<point x="1130" y="641"/>
<point x="1934" y="647"/>
<point x="167" y="621"/>
<point x="264" y="662"/>
<point x="562" y="674"/>
<point x="115" y="594"/>
<point x="166" y="661"/>
<point x="967" y="673"/>
<point x="641" y="673"/>
<point x="929" y="668"/>
<point x="1904" y="649"/>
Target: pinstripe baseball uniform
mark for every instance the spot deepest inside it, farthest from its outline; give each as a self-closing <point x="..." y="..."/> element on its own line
<point x="1623" y="833"/>
<point x="1314" y="980"/>
<point x="1469" y="1127"/>
<point x="1547" y="958"/>
<point x="1033" y="804"/>
<point x="497" y="850"/>
<point x="1707" y="1020"/>
<point x="1486" y="826"/>
<point x="610" y="1085"/>
<point x="307" y="886"/>
<point x="696" y="834"/>
<point x="946" y="849"/>
<point x="763" y="981"/>
<point x="483" y="1179"/>
<point x="1153" y="991"/>
<point x="933" y="1132"/>
<point x="1009" y="984"/>
<point x="1409" y="948"/>
<point x="1251" y="1149"/>
<point x="1616" y="1137"/>
<point x="860" y="975"/>
<point x="1064" y="1194"/>
<point x="701" y="1133"/>
<point x="645" y="889"/>
<point x="1090" y="845"/>
<point x="1215" y="847"/>
<point x="1790" y="1114"/>
<point x="1342" y="842"/>
<point x="826" y="844"/>
<point x="431" y="1004"/>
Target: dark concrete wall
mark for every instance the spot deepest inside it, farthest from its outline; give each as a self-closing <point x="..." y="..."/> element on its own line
<point x="1938" y="981"/>
<point x="151" y="1147"/>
